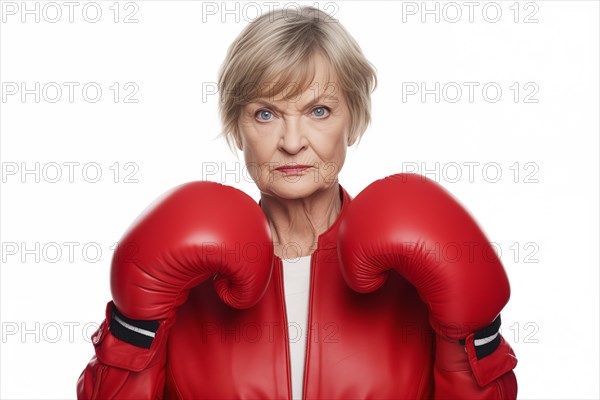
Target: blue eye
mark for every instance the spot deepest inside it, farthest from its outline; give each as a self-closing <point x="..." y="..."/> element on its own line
<point x="320" y="111"/>
<point x="264" y="115"/>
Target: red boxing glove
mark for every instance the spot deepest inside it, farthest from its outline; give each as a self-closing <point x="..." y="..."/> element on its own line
<point x="193" y="232"/>
<point x="411" y="224"/>
<point x="197" y="230"/>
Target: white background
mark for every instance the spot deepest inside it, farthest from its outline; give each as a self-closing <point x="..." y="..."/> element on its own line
<point x="544" y="219"/>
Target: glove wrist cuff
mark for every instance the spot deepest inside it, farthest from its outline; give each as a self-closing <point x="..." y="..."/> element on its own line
<point x="485" y="340"/>
<point x="116" y="352"/>
<point x="492" y="366"/>
<point x="139" y="333"/>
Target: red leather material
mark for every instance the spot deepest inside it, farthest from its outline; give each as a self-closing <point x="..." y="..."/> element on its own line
<point x="457" y="371"/>
<point x="121" y="370"/>
<point x="410" y="223"/>
<point x="120" y="354"/>
<point x="244" y="353"/>
<point x="360" y="346"/>
<point x="377" y="345"/>
<point x="491" y="367"/>
<point x="192" y="232"/>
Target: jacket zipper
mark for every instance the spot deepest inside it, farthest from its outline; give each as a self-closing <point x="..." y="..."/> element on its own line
<point x="285" y="331"/>
<point x="313" y="261"/>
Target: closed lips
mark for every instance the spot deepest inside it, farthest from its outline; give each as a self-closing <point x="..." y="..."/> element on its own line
<point x="294" y="167"/>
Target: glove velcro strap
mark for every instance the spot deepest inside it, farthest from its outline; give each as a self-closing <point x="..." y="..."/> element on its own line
<point x="139" y="333"/>
<point x="487" y="339"/>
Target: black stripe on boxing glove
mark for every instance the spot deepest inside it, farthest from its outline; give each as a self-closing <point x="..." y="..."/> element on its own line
<point x="139" y="333"/>
<point x="487" y="339"/>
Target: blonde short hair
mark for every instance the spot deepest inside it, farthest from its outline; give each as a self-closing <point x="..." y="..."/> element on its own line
<point x="278" y="47"/>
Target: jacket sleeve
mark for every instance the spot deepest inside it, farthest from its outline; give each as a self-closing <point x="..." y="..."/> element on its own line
<point x="479" y="368"/>
<point x="123" y="370"/>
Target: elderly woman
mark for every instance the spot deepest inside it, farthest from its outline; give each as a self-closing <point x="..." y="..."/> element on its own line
<point x="215" y="296"/>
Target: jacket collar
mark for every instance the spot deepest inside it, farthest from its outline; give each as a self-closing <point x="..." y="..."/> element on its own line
<point x="328" y="239"/>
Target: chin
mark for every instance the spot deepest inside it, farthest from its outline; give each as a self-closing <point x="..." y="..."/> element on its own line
<point x="294" y="188"/>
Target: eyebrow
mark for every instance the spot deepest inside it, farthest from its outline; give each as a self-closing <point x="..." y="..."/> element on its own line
<point x="323" y="96"/>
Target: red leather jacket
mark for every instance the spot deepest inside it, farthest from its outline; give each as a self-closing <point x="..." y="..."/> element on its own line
<point x="359" y="346"/>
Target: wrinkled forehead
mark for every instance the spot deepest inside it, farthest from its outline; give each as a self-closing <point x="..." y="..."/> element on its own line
<point x="314" y="75"/>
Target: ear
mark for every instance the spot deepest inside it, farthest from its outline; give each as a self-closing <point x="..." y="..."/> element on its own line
<point x="351" y="141"/>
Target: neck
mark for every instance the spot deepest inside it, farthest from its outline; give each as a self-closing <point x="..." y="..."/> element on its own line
<point x="297" y="223"/>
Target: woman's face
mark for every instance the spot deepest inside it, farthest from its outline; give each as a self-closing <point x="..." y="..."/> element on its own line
<point x="310" y="129"/>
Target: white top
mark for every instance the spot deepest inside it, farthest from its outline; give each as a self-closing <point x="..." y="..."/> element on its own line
<point x="296" y="284"/>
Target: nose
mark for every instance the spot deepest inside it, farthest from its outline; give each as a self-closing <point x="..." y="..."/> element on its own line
<point x="293" y="136"/>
